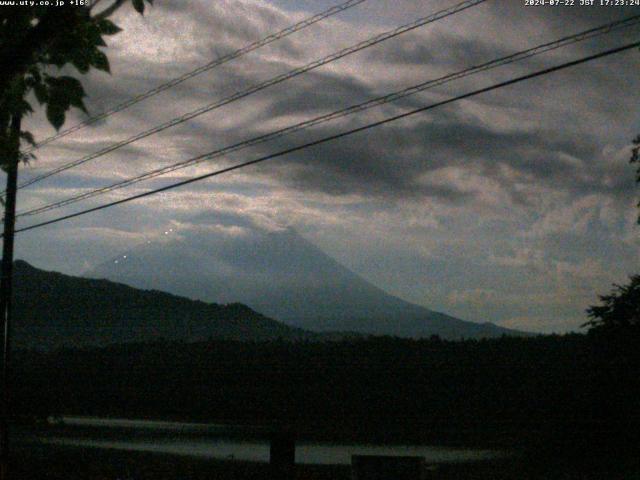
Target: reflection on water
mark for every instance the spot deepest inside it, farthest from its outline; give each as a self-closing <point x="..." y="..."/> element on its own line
<point x="208" y="446"/>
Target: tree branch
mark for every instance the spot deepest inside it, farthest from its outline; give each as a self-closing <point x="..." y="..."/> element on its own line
<point x="15" y="60"/>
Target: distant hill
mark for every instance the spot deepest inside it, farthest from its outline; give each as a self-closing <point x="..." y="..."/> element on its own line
<point x="54" y="310"/>
<point x="280" y="274"/>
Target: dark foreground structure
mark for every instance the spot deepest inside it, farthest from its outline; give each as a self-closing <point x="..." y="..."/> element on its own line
<point x="563" y="406"/>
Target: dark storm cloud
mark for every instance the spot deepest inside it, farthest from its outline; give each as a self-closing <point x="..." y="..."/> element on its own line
<point x="489" y="199"/>
<point x="388" y="161"/>
<point x="364" y="163"/>
<point x="317" y="93"/>
<point x="443" y="50"/>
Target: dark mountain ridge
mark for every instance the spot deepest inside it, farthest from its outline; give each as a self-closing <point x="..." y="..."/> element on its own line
<point x="52" y="310"/>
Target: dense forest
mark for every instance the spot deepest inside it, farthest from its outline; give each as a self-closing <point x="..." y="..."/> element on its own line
<point x="572" y="388"/>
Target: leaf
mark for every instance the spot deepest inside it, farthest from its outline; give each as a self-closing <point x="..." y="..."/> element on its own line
<point x="57" y="60"/>
<point x="107" y="27"/>
<point x="70" y="85"/>
<point x="139" y="6"/>
<point x="81" y="62"/>
<point x="55" y="115"/>
<point x="64" y="92"/>
<point x="94" y="36"/>
<point x="28" y="137"/>
<point x="41" y="92"/>
<point x="100" y="61"/>
<point x="79" y="104"/>
<point x="67" y="91"/>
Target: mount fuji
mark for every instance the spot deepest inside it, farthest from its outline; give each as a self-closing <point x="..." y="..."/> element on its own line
<point x="277" y="272"/>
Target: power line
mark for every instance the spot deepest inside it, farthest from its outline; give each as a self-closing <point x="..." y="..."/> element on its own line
<point x="204" y="68"/>
<point x="369" y="126"/>
<point x="519" y="56"/>
<point x="261" y="86"/>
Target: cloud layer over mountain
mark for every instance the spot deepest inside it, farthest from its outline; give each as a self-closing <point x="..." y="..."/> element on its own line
<point x="515" y="207"/>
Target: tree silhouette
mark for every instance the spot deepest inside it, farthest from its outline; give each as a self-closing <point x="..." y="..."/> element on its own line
<point x="34" y="42"/>
<point x="618" y="310"/>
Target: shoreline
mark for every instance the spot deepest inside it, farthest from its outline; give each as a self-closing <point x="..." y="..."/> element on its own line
<point x="222" y="447"/>
<point x="40" y="462"/>
<point x="48" y="462"/>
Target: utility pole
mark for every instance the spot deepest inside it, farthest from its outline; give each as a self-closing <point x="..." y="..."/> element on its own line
<point x="6" y="283"/>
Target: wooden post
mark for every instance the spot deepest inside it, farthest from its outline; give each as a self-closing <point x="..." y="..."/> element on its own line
<point x="6" y="283"/>
<point x="283" y="455"/>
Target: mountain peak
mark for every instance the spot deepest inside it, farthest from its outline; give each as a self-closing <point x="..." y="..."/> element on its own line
<point x="283" y="275"/>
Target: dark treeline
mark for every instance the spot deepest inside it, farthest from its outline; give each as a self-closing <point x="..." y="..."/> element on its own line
<point x="365" y="389"/>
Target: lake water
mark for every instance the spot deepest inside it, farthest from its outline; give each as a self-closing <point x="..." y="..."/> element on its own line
<point x="211" y="441"/>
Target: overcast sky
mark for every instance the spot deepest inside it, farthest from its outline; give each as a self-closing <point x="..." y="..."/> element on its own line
<point x="515" y="207"/>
